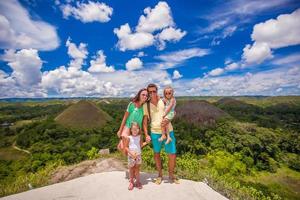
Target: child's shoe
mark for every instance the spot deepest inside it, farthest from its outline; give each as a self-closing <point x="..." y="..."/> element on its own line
<point x="139" y="185"/>
<point x="130" y="187"/>
<point x="169" y="139"/>
<point x="162" y="138"/>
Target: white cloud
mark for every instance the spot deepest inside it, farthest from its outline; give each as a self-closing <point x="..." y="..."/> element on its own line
<point x="176" y="74"/>
<point x="79" y="54"/>
<point x="232" y="66"/>
<point x="88" y="12"/>
<point x="99" y="64"/>
<point x="64" y="82"/>
<point x="281" y="32"/>
<point x="19" y="31"/>
<point x="260" y="83"/>
<point x="257" y="53"/>
<point x="273" y="34"/>
<point x="141" y="54"/>
<point x="132" y="41"/>
<point x="178" y="56"/>
<point x="289" y="59"/>
<point x="172" y="59"/>
<point x="156" y="19"/>
<point x="27" y="80"/>
<point x="134" y="64"/>
<point x="71" y="83"/>
<point x="169" y="34"/>
<point x="24" y="81"/>
<point x="26" y="65"/>
<point x="216" y="72"/>
<point x="228" y="16"/>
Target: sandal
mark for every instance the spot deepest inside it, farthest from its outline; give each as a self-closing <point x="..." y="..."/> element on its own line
<point x="139" y="185"/>
<point x="174" y="180"/>
<point x="158" y="180"/>
<point x="130" y="187"/>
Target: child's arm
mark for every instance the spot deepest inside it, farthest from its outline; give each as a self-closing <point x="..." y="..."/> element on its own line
<point x="168" y="109"/>
<point x="143" y="143"/>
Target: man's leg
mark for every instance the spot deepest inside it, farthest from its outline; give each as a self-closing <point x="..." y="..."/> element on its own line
<point x="170" y="149"/>
<point x="171" y="165"/>
<point x="157" y="160"/>
<point x="156" y="149"/>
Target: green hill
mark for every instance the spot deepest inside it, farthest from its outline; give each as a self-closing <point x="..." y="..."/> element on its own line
<point x="199" y="112"/>
<point x="83" y="114"/>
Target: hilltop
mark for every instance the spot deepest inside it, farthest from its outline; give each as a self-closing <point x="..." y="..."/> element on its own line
<point x="199" y="112"/>
<point x="83" y="114"/>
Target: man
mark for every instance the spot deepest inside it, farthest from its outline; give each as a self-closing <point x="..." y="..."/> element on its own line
<point x="154" y="111"/>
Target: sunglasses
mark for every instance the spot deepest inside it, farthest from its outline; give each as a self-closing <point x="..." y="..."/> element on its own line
<point x="168" y="93"/>
<point x="153" y="91"/>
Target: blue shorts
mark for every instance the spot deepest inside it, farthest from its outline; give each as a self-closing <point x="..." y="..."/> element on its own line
<point x="157" y="145"/>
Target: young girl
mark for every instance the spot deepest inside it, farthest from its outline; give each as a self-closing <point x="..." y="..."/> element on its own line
<point x="133" y="145"/>
<point x="170" y="103"/>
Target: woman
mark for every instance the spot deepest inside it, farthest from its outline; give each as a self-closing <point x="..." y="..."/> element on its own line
<point x="134" y="113"/>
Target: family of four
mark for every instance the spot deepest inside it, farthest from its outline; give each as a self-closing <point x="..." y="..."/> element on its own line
<point x="147" y="107"/>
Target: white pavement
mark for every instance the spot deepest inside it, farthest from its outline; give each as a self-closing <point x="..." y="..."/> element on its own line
<point x="113" y="186"/>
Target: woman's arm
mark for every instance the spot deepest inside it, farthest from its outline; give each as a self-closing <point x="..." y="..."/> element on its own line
<point x="172" y="103"/>
<point x="123" y="123"/>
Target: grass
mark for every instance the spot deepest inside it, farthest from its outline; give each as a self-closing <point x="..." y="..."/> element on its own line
<point x="285" y="182"/>
<point x="271" y="101"/>
<point x="21" y="182"/>
<point x="21" y="123"/>
<point x="9" y="153"/>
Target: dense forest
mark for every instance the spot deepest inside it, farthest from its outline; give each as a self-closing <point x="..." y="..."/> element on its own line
<point x="242" y="149"/>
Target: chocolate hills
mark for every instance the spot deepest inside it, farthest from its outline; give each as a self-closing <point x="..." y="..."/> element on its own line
<point x="199" y="112"/>
<point x="83" y="114"/>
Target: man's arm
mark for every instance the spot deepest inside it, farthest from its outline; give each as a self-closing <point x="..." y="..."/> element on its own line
<point x="145" y="128"/>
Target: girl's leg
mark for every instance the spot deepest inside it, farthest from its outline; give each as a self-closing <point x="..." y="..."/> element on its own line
<point x="137" y="176"/>
<point x="131" y="178"/>
<point x="169" y="139"/>
<point x="163" y="134"/>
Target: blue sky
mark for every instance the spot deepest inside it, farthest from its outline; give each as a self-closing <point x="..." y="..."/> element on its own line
<point x="114" y="48"/>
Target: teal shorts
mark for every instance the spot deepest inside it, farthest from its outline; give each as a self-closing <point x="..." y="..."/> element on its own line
<point x="157" y="145"/>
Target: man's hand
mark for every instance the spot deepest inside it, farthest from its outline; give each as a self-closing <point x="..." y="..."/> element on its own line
<point x="164" y="122"/>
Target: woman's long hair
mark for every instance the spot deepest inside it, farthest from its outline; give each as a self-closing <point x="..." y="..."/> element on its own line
<point x="137" y="96"/>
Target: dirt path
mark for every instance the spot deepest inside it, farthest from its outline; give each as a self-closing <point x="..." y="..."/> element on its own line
<point x="19" y="149"/>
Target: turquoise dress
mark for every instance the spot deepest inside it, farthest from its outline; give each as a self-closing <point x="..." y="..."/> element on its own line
<point x="171" y="113"/>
